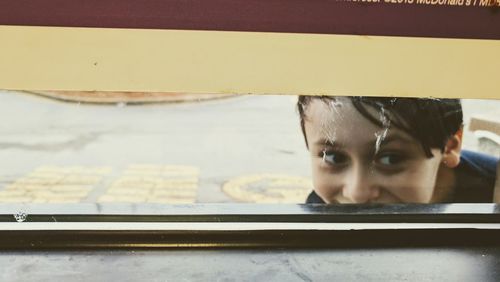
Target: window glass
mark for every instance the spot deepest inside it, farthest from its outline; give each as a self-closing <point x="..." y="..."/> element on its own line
<point x="175" y="148"/>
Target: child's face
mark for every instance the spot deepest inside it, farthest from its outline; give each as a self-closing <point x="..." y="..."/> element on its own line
<point x="356" y="161"/>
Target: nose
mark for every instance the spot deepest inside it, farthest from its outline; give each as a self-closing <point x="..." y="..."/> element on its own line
<point x="359" y="187"/>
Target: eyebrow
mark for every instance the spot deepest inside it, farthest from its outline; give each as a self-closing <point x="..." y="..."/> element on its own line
<point x="395" y="138"/>
<point x="328" y="142"/>
<point x="390" y="138"/>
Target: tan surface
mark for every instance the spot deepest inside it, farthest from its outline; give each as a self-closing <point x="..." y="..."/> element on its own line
<point x="141" y="60"/>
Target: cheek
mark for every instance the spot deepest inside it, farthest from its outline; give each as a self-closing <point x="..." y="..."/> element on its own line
<point x="324" y="182"/>
<point x="415" y="185"/>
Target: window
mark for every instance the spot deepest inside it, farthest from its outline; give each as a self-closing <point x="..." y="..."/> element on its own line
<point x="174" y="148"/>
<point x="124" y="152"/>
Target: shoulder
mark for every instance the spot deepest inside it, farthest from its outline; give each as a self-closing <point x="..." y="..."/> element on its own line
<point x="483" y="164"/>
<point x="475" y="178"/>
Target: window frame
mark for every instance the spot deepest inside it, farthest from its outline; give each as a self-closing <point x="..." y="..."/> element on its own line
<point x="131" y="226"/>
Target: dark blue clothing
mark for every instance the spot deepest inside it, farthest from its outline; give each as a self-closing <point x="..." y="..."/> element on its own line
<point x="475" y="179"/>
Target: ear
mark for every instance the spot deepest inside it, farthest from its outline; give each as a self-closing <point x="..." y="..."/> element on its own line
<point x="452" y="149"/>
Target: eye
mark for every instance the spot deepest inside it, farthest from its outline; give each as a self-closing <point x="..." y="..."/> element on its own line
<point x="334" y="158"/>
<point x="390" y="159"/>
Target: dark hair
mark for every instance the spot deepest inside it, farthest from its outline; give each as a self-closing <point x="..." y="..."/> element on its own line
<point x="430" y="121"/>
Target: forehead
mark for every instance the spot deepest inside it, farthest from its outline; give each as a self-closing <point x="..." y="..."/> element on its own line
<point x="338" y="112"/>
<point x="333" y="110"/>
<point x="338" y="120"/>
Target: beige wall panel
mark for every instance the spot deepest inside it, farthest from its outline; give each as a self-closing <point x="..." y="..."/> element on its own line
<point x="52" y="58"/>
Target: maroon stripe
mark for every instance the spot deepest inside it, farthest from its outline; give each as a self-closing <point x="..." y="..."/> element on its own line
<point x="301" y="16"/>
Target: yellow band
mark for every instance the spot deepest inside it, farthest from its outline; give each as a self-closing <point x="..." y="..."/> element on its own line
<point x="54" y="58"/>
